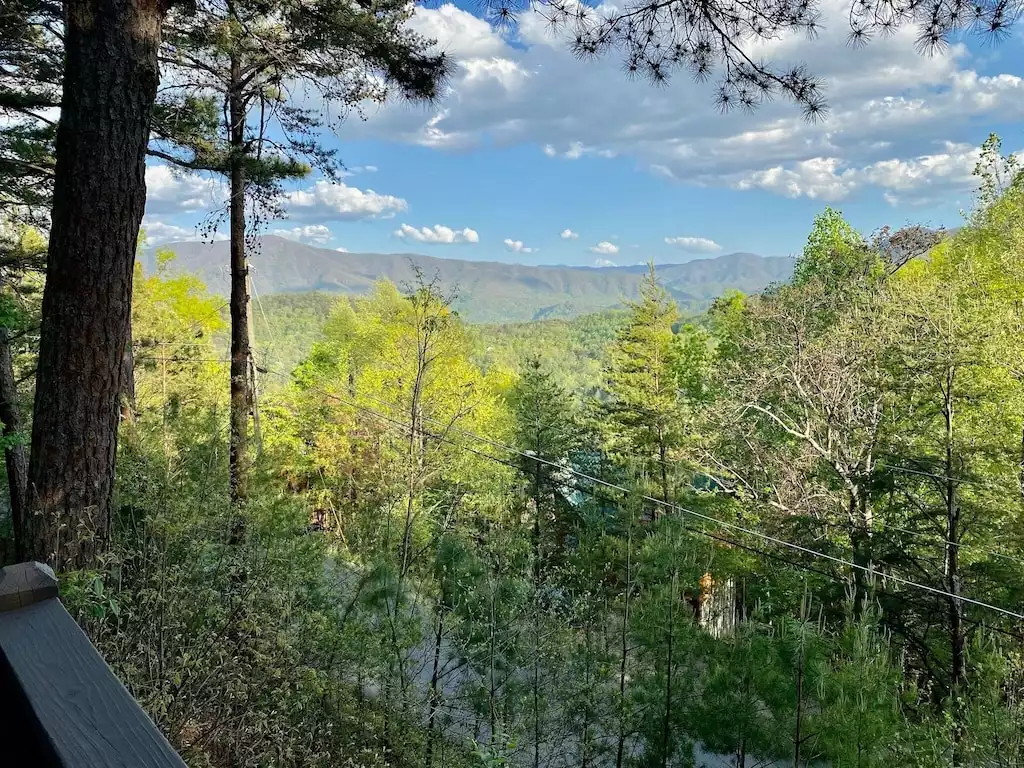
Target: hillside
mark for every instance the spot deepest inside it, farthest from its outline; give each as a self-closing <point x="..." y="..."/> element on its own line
<point x="487" y="291"/>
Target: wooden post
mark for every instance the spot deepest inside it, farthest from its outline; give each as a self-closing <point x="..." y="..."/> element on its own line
<point x="26" y="583"/>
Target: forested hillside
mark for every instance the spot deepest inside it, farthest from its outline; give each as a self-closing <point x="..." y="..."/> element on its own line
<point x="288" y="324"/>
<point x="730" y="513"/>
<point x="488" y="291"/>
<point x="790" y="533"/>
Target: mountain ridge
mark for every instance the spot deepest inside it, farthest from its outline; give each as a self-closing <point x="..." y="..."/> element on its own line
<point x="488" y="291"/>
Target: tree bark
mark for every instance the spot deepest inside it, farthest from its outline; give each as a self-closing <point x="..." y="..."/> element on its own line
<point x="109" y="86"/>
<point x="957" y="635"/>
<point x="620" y="745"/>
<point x="666" y="721"/>
<point x="240" y="394"/>
<point x="128" y="402"/>
<point x="14" y="453"/>
<point x="861" y="521"/>
<point x="434" y="699"/>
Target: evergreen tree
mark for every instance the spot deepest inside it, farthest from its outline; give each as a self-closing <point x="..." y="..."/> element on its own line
<point x="255" y="58"/>
<point x="641" y="413"/>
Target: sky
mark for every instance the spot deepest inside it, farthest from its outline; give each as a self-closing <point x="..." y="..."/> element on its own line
<point x="532" y="156"/>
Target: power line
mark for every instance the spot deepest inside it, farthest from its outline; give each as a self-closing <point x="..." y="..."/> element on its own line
<point x="959" y="545"/>
<point x="652" y="499"/>
<point x="671" y="506"/>
<point x="893" y="468"/>
<point x="694" y="529"/>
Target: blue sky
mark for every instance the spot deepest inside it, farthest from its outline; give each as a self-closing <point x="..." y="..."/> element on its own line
<point x="537" y="158"/>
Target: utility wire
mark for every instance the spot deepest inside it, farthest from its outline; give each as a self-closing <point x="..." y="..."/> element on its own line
<point x="671" y="506"/>
<point x="694" y="529"/>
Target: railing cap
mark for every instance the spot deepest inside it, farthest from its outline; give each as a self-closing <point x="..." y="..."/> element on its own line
<point x="26" y="583"/>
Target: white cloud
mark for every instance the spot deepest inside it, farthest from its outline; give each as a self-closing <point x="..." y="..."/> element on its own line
<point x="516" y="246"/>
<point x="604" y="263"/>
<point x="886" y="102"/>
<point x="318" y="234"/>
<point x="339" y="249"/>
<point x="606" y="248"/>
<point x="826" y="178"/>
<point x="355" y="169"/>
<point x="576" y="150"/>
<point x="694" y="244"/>
<point x="819" y="178"/>
<point x="458" y="32"/>
<point x="160" y="232"/>
<point x="568" y="234"/>
<point x="169" y="191"/>
<point x="437" y="234"/>
<point x="326" y="201"/>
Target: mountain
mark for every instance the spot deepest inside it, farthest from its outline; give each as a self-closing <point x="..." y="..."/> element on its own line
<point x="487" y="291"/>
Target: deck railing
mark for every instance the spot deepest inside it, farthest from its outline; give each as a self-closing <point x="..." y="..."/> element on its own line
<point x="60" y="704"/>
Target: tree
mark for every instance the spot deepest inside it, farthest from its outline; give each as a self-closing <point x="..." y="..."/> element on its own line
<point x="958" y="407"/>
<point x="31" y="64"/>
<point x="656" y="40"/>
<point x="30" y="70"/>
<point x="803" y="371"/>
<point x="254" y="58"/>
<point x="22" y="249"/>
<point x="642" y="382"/>
<point x="545" y="433"/>
<point x="996" y="174"/>
<point x="108" y="89"/>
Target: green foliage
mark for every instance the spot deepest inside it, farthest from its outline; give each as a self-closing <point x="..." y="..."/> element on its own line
<point x="834" y="253"/>
<point x="415" y="588"/>
<point x="572" y="351"/>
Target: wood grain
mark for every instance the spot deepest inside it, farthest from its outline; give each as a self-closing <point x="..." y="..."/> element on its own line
<point x="26" y="583"/>
<point x="89" y="717"/>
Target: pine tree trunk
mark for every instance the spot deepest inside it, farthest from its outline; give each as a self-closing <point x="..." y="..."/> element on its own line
<point x="14" y="453"/>
<point x="662" y="456"/>
<point x="957" y="636"/>
<point x="666" y="723"/>
<point x="110" y="80"/>
<point x="798" y="740"/>
<point x="240" y="395"/>
<point x="128" y="379"/>
<point x="435" y="676"/>
<point x="620" y="746"/>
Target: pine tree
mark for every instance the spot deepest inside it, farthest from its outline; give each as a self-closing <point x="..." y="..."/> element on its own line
<point x="642" y="384"/>
<point x="256" y="57"/>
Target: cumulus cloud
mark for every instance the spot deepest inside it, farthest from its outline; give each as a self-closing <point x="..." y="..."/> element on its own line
<point x="829" y="179"/>
<point x="318" y="234"/>
<point x="355" y="169"/>
<point x="605" y="248"/>
<point x="339" y="249"/>
<point x="326" y="201"/>
<point x="568" y="234"/>
<point x="604" y="262"/>
<point x="885" y="102"/>
<point x="516" y="246"/>
<point x="694" y="244"/>
<point x="576" y="150"/>
<point x="437" y="234"/>
<point x="169" y="191"/>
<point x="158" y="232"/>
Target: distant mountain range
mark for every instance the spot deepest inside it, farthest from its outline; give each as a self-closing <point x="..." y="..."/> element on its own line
<point x="488" y="291"/>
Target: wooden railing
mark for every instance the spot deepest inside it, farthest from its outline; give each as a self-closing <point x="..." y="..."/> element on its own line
<point x="60" y="704"/>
